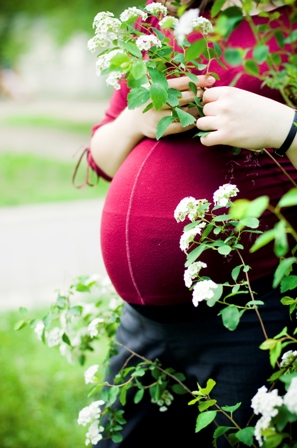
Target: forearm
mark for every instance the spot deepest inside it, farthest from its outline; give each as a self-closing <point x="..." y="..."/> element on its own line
<point x="112" y="142"/>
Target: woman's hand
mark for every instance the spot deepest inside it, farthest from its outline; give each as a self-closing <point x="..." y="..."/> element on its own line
<point x="146" y="123"/>
<point x="243" y="119"/>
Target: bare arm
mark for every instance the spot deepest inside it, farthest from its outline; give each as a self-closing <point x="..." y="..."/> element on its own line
<point x="112" y="143"/>
<point x="246" y="120"/>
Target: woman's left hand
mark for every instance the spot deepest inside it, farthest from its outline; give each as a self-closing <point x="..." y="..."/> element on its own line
<point x="243" y="119"/>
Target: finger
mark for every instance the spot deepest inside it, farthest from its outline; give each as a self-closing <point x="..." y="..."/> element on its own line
<point x="212" y="139"/>
<point x="212" y="94"/>
<point x="207" y="123"/>
<point x="182" y="83"/>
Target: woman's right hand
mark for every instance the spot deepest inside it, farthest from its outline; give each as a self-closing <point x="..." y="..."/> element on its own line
<point x="146" y="123"/>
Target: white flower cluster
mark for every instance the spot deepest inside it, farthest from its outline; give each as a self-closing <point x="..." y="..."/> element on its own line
<point x="54" y="336"/>
<point x="132" y="13"/>
<point x="191" y="208"/>
<point x="156" y="8"/>
<point x="90" y="374"/>
<point x="103" y="62"/>
<point x="203" y="290"/>
<point x="288" y="358"/>
<point x="265" y="403"/>
<point x="189" y="236"/>
<point x="91" y="414"/>
<point x="168" y="22"/>
<point x="145" y="42"/>
<point x="203" y="24"/>
<point x="224" y="193"/>
<point x="107" y="29"/>
<point x="193" y="272"/>
<point x="165" y="401"/>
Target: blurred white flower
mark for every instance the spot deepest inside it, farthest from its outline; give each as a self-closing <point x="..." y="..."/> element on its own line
<point x="191" y="208"/>
<point x="94" y="433"/>
<point x="54" y="337"/>
<point x="39" y="328"/>
<point x="90" y="413"/>
<point x="92" y="327"/>
<point x="288" y="358"/>
<point x="189" y="236"/>
<point x="203" y="24"/>
<point x="203" y="290"/>
<point x="185" y="25"/>
<point x="168" y="22"/>
<point x="290" y="399"/>
<point x="90" y="373"/>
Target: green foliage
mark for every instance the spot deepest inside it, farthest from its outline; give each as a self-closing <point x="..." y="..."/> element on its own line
<point x="31" y="179"/>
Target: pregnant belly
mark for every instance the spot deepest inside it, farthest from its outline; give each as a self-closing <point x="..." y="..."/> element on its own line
<point x="139" y="235"/>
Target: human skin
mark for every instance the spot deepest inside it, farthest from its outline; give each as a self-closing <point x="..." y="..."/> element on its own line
<point x="109" y="151"/>
<point x="243" y="119"/>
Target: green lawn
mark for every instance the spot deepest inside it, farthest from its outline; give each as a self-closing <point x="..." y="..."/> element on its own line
<point x="31" y="179"/>
<point x="41" y="394"/>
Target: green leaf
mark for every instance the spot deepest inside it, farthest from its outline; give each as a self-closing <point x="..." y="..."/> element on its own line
<point x="205" y="419"/>
<point x="235" y="272"/>
<point x="138" y="69"/>
<point x="192" y="256"/>
<point x="231" y="409"/>
<point x="66" y="339"/>
<point x="117" y="438"/>
<point x="217" y="7"/>
<point x="275" y="353"/>
<point x="233" y="56"/>
<point x="208" y="388"/>
<point x="195" y="50"/>
<point x="289" y="199"/>
<point x="224" y="250"/>
<point x="179" y="389"/>
<point x="131" y="48"/>
<point x="288" y="283"/>
<point x="203" y="405"/>
<point x="228" y="20"/>
<point x="185" y="118"/>
<point x="260" y="53"/>
<point x="246" y="435"/>
<point x="163" y="125"/>
<point x="123" y="395"/>
<point x="158" y="77"/>
<point x="138" y="396"/>
<point x="230" y="317"/>
<point x="159" y="95"/>
<point x="291" y="38"/>
<point x="282" y="270"/>
<point x="263" y="239"/>
<point x="252" y="223"/>
<point x="20" y="324"/>
<point x="138" y="97"/>
<point x="221" y="430"/>
<point x="173" y="97"/>
<point x="281" y="245"/>
<point x="251" y="67"/>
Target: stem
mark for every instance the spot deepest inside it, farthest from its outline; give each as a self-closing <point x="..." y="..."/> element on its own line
<point x="280" y="167"/>
<point x="252" y="296"/>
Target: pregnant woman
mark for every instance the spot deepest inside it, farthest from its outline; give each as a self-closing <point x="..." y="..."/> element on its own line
<point x="140" y="238"/>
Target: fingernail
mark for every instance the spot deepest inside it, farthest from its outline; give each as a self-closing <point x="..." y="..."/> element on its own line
<point x="210" y="80"/>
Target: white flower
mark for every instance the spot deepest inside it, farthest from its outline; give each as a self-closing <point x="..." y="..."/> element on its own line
<point x="189" y="236"/>
<point x="144" y="42"/>
<point x="54" y="337"/>
<point x="107" y="30"/>
<point x="262" y="424"/>
<point x="222" y="195"/>
<point x="156" y="8"/>
<point x="39" y="328"/>
<point x="191" y="208"/>
<point x="193" y="272"/>
<point x="168" y="22"/>
<point x="185" y="25"/>
<point x="103" y="61"/>
<point x="203" y="24"/>
<point x="290" y="399"/>
<point x="165" y="399"/>
<point x="203" y="290"/>
<point x="288" y="358"/>
<point x="94" y="433"/>
<point x="66" y="351"/>
<point x="90" y="413"/>
<point x="113" y="80"/>
<point x="132" y="13"/>
<point x="265" y="402"/>
<point x="92" y="327"/>
<point x="90" y="373"/>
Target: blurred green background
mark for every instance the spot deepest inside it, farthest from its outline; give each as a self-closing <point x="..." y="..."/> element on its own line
<point x="50" y="98"/>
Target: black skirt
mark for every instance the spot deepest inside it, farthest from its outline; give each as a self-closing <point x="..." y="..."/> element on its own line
<point x="195" y="342"/>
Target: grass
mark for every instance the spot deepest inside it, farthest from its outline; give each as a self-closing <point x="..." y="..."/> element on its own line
<point x="46" y="123"/>
<point x="41" y="394"/>
<point x="32" y="179"/>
